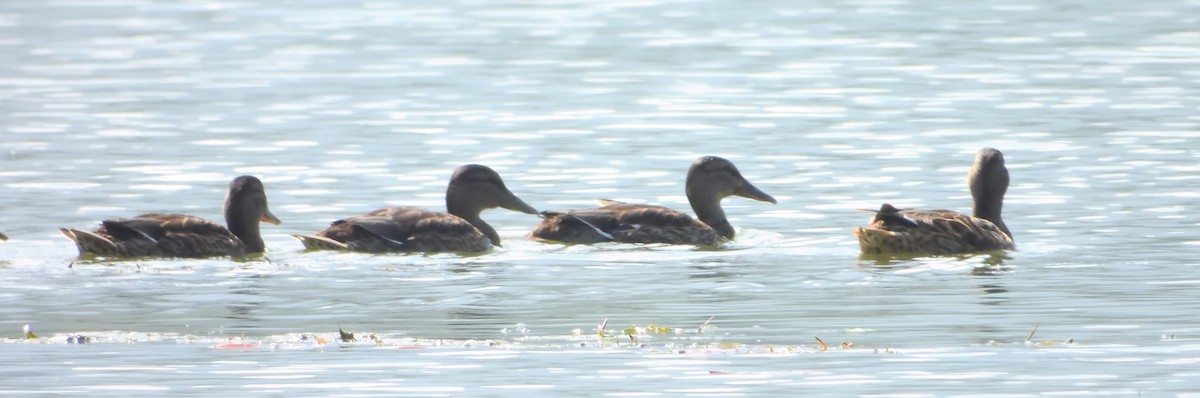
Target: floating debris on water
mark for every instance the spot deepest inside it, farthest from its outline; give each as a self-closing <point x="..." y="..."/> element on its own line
<point x="345" y="336"/>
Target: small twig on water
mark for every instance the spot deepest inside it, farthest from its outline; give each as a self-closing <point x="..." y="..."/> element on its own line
<point x="1035" y="327"/>
<point x="701" y="328"/>
<point x="823" y="346"/>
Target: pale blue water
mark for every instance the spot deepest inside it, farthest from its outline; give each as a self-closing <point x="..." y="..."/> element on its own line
<point x="114" y="108"/>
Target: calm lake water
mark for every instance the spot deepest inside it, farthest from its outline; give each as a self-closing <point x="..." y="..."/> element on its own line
<point x="113" y="108"/>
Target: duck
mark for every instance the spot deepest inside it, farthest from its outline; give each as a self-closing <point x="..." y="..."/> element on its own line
<point x="709" y="180"/>
<point x="185" y="236"/>
<point x="3" y="236"/>
<point x="472" y="189"/>
<point x="939" y="232"/>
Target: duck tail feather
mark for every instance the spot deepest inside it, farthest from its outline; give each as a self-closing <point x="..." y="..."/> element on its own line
<point x="312" y="242"/>
<point x="89" y="242"/>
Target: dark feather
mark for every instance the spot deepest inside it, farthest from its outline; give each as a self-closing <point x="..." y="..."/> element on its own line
<point x="892" y="219"/>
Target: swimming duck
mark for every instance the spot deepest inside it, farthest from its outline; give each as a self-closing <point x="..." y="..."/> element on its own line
<point x="178" y="235"/>
<point x="709" y="180"/>
<point x="473" y="188"/>
<point x="943" y="231"/>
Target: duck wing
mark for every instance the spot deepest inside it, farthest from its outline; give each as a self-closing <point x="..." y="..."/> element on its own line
<point x="960" y="233"/>
<point x="379" y="231"/>
<point x="579" y="226"/>
<point x="131" y="229"/>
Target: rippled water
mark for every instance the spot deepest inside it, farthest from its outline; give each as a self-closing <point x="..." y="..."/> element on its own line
<point x="113" y="108"/>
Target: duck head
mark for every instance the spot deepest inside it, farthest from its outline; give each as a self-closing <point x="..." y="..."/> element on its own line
<point x="988" y="180"/>
<point x="245" y="207"/>
<point x="711" y="179"/>
<point x="474" y="188"/>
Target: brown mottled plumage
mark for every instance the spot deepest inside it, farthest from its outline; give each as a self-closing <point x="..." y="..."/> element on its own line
<point x="178" y="235"/>
<point x="943" y="231"/>
<point x="472" y="189"/>
<point x="709" y="180"/>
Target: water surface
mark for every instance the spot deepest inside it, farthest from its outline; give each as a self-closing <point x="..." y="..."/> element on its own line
<point x="115" y="108"/>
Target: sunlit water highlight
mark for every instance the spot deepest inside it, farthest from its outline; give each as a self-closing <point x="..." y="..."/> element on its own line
<point x="114" y="108"/>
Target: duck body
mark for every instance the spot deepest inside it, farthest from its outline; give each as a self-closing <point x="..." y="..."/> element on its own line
<point x="400" y="229"/>
<point x="936" y="232"/>
<point x="157" y="235"/>
<point x="472" y="189"/>
<point x="627" y="223"/>
<point x="930" y="232"/>
<point x="710" y="179"/>
<point x="179" y="235"/>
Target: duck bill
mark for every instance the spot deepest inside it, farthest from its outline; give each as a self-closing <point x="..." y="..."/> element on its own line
<point x="267" y="217"/>
<point x="512" y="202"/>
<point x="748" y="190"/>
